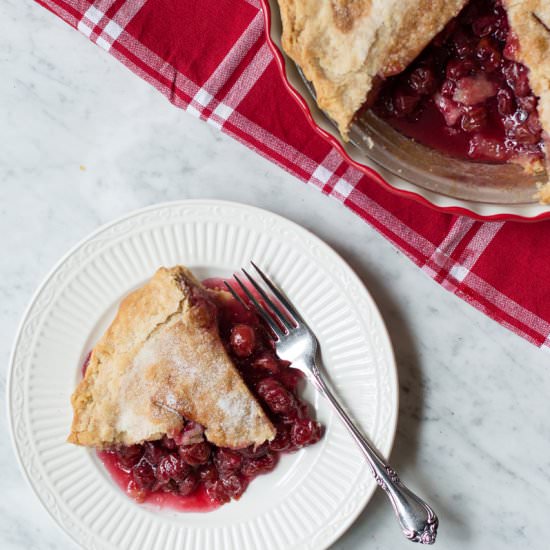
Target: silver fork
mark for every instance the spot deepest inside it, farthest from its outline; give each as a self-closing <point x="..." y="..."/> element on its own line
<point x="295" y="342"/>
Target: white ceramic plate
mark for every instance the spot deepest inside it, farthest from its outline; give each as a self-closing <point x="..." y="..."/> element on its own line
<point x="312" y="496"/>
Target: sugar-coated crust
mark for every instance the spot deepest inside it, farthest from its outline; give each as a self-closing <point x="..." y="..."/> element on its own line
<point x="342" y="45"/>
<point x="530" y="22"/>
<point x="161" y="359"/>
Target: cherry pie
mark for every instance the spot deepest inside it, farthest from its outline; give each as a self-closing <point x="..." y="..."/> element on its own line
<point x="469" y="78"/>
<point x="185" y="398"/>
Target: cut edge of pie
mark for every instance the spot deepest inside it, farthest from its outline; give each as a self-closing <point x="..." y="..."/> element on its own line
<point x="162" y="361"/>
<point x="345" y="48"/>
<point x="342" y="46"/>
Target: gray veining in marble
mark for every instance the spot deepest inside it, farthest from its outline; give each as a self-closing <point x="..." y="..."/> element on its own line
<point x="84" y="141"/>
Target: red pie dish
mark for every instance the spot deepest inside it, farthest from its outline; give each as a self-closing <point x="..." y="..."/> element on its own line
<point x="447" y="104"/>
<point x="184" y="396"/>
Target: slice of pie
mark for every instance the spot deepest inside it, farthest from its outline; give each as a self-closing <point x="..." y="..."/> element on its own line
<point x="184" y="396"/>
<point x="344" y="46"/>
<point x="162" y="361"/>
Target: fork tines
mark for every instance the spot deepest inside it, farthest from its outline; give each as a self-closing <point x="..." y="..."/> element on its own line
<point x="275" y="308"/>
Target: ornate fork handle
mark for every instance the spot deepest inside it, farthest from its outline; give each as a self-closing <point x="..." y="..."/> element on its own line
<point x="418" y="521"/>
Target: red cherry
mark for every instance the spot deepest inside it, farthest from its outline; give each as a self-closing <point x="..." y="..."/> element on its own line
<point x="276" y="396"/>
<point x="234" y="485"/>
<point x="282" y="441"/>
<point x="227" y="460"/>
<point x="154" y="452"/>
<point x="208" y="472"/>
<point x="192" y="433"/>
<point x="292" y="415"/>
<point x="447" y="88"/>
<point x="517" y="78"/>
<point x="534" y="124"/>
<point x="485" y="25"/>
<point x="242" y="340"/>
<point x="524" y="136"/>
<point x="511" y="49"/>
<point x="474" y="119"/>
<point x="168" y="487"/>
<point x="387" y="105"/>
<point x="144" y="475"/>
<point x="450" y="110"/>
<point x="528" y="103"/>
<point x="187" y="485"/>
<point x="462" y="44"/>
<point x="291" y="377"/>
<point x="251" y="452"/>
<point x="256" y="466"/>
<point x="422" y="80"/>
<point x="457" y="68"/>
<point x="266" y="363"/>
<point x="305" y="432"/>
<point x="505" y="102"/>
<point x="501" y="32"/>
<point x="404" y="103"/>
<point x="172" y="467"/>
<point x="481" y="147"/>
<point x="139" y="495"/>
<point x="196" y="454"/>
<point x="128" y="457"/>
<point x="232" y="312"/>
<point x="168" y="443"/>
<point x="488" y="54"/>
<point x="217" y="492"/>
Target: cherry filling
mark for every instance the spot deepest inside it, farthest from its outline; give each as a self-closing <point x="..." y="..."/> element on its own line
<point x="186" y="472"/>
<point x="466" y="94"/>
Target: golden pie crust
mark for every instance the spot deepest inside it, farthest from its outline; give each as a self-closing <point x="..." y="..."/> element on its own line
<point x="530" y="23"/>
<point x="343" y="45"/>
<point x="160" y="360"/>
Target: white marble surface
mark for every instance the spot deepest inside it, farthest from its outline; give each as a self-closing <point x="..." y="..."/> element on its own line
<point x="474" y="429"/>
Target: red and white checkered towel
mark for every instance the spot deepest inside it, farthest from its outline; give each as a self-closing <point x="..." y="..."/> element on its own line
<point x="211" y="58"/>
